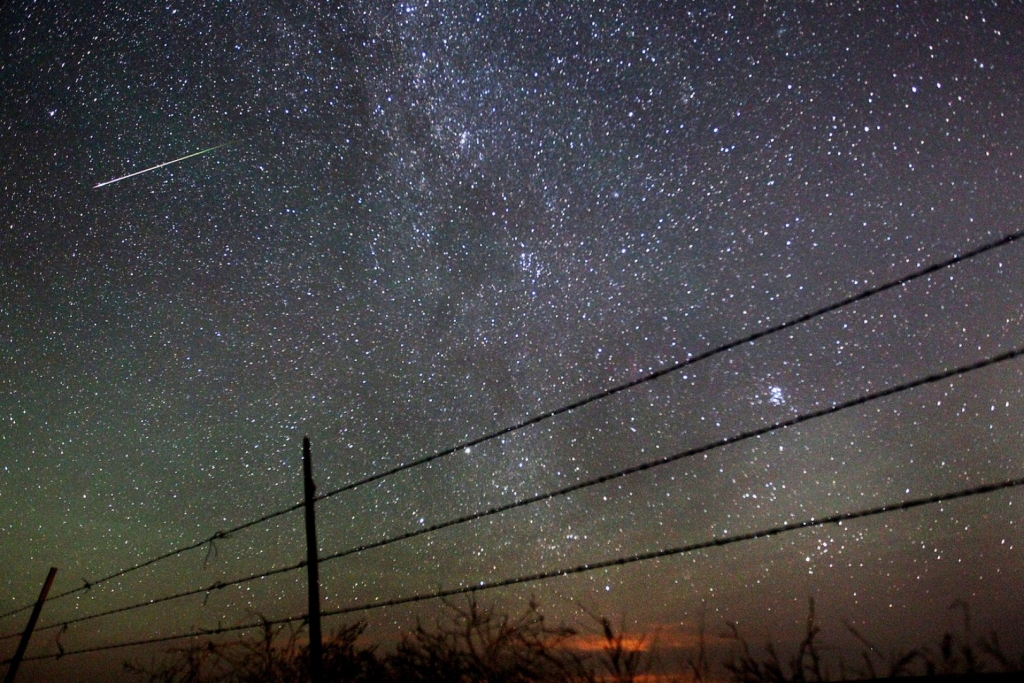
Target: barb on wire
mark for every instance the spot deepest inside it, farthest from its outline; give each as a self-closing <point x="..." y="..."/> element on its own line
<point x="56" y="641"/>
<point x="214" y="587"/>
<point x="211" y="550"/>
<point x="481" y="586"/>
<point x="541" y="417"/>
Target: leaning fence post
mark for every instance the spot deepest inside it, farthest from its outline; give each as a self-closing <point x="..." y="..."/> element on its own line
<point x="23" y="645"/>
<point x="312" y="569"/>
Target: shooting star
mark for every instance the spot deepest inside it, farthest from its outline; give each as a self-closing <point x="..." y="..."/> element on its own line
<point x="166" y="163"/>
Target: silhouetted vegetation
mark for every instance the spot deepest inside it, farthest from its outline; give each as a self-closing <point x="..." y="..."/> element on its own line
<point x="278" y="655"/>
<point x="475" y="644"/>
<point x="955" y="654"/>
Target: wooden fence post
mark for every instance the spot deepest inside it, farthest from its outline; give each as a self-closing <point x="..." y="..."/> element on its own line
<point x="312" y="569"/>
<point x="23" y="645"/>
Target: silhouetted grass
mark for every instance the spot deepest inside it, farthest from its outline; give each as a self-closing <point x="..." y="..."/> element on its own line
<point x="956" y="654"/>
<point x="475" y="644"/>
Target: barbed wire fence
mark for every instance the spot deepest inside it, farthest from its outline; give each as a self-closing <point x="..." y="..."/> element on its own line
<point x="483" y="585"/>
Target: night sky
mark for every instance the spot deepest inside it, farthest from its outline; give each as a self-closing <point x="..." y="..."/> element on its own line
<point x="430" y="220"/>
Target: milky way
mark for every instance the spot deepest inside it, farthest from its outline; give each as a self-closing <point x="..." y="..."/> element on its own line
<point x="443" y="218"/>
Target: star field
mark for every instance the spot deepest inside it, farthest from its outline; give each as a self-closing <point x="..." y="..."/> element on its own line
<point x="436" y="219"/>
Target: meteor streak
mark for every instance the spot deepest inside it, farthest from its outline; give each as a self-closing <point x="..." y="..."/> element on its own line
<point x="166" y="163"/>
